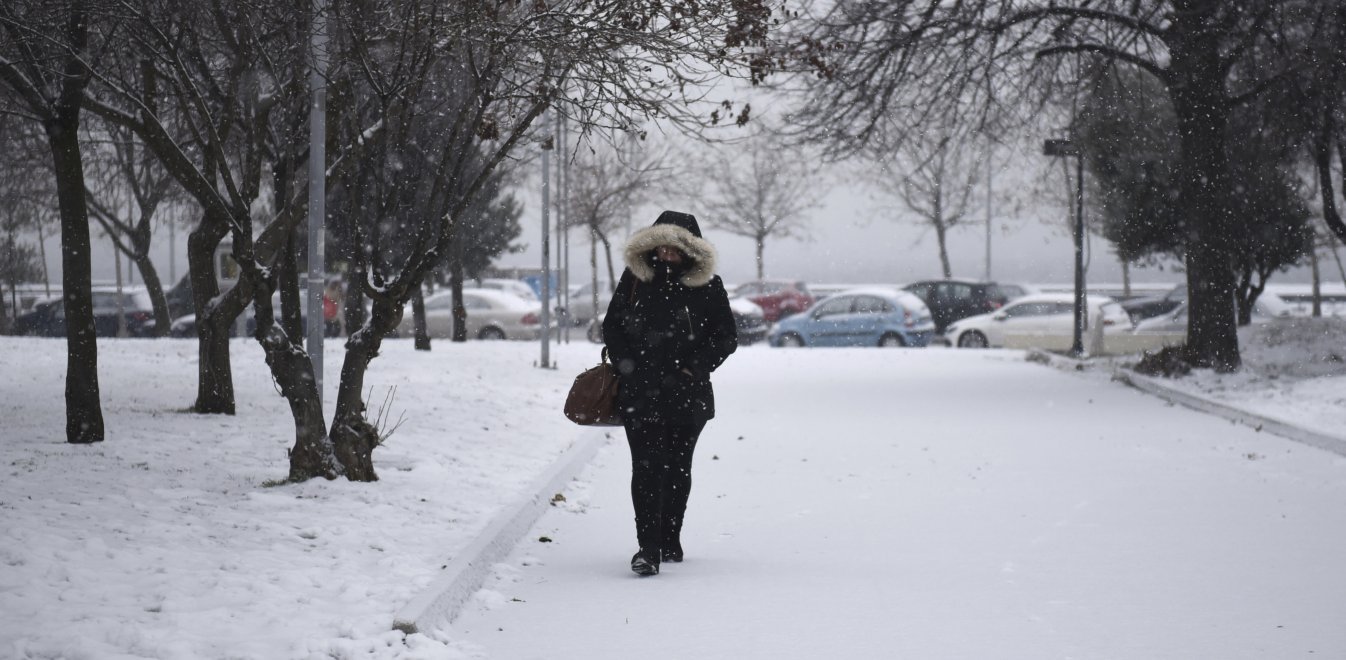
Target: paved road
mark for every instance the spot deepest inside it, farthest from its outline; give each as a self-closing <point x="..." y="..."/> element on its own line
<point x="942" y="504"/>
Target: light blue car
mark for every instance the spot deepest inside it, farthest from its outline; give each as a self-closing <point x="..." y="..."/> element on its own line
<point x="859" y="317"/>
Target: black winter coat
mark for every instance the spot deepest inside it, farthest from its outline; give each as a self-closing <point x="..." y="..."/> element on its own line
<point x="665" y="340"/>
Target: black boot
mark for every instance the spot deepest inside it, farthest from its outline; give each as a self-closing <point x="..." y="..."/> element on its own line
<point x="672" y="551"/>
<point x="645" y="563"/>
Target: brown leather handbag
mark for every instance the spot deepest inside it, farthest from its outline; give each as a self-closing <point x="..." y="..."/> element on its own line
<point x="593" y="396"/>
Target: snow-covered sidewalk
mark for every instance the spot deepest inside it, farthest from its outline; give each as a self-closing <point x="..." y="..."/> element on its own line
<point x="942" y="504"/>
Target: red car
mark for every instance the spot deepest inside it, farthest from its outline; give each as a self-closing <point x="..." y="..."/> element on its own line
<point x="777" y="298"/>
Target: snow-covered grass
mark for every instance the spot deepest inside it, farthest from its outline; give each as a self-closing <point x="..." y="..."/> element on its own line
<point x="1294" y="370"/>
<point x="165" y="541"/>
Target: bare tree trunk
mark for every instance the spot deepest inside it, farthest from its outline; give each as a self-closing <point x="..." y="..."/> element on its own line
<point x="941" y="237"/>
<point x="42" y="250"/>
<point x="422" y="331"/>
<point x="1322" y="159"/>
<point x="1126" y="278"/>
<point x="312" y="454"/>
<point x="1246" y="295"/>
<point x="1317" y="282"/>
<point x="291" y="303"/>
<point x="761" y="259"/>
<point x="353" y="438"/>
<point x="354" y="310"/>
<point x="83" y="410"/>
<point x="456" y="278"/>
<point x="1197" y="92"/>
<point x="612" y="275"/>
<point x="1341" y="269"/>
<point x="215" y="379"/>
<point x="593" y="275"/>
<point x="162" y="319"/>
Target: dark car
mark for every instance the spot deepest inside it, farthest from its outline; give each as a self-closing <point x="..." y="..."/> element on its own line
<point x="950" y="300"/>
<point x="777" y="298"/>
<point x="48" y="317"/>
<point x="1151" y="306"/>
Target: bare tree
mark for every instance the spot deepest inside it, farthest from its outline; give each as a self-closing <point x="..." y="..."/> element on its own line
<point x="46" y="58"/>
<point x="607" y="182"/>
<point x="933" y="174"/>
<point x="762" y="196"/>
<point x="25" y="194"/>
<point x="122" y="168"/>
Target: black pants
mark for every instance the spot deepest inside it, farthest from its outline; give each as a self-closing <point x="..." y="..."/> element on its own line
<point x="661" y="478"/>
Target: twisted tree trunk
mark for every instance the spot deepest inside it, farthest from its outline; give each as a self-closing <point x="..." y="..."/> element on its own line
<point x="215" y="379"/>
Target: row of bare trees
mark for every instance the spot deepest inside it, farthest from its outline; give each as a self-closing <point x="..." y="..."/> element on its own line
<point x="427" y="103"/>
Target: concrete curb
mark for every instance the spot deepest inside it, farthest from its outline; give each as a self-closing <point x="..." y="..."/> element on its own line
<point x="464" y="575"/>
<point x="1334" y="444"/>
<point x="1156" y="387"/>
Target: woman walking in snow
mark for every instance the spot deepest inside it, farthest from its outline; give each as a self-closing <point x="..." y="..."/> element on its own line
<point x="667" y="328"/>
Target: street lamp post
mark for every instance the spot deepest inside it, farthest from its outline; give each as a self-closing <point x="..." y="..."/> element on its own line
<point x="1062" y="148"/>
<point x="547" y="145"/>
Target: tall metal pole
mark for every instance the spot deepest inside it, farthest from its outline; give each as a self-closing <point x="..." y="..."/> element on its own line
<point x="564" y="182"/>
<point x="1077" y="344"/>
<point x="317" y="187"/>
<point x="988" y="208"/>
<point x="546" y="253"/>
<point x="560" y="213"/>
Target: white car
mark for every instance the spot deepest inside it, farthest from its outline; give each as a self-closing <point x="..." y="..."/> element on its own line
<point x="1044" y="320"/>
<point x="491" y="314"/>
<point x="1267" y="307"/>
<point x="519" y="288"/>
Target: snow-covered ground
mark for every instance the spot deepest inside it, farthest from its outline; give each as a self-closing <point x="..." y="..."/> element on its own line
<point x="1294" y="370"/>
<point x="849" y="503"/>
<point x="164" y="541"/>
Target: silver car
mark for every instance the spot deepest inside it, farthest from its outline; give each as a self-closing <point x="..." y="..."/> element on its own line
<point x="582" y="310"/>
<point x="491" y="314"/>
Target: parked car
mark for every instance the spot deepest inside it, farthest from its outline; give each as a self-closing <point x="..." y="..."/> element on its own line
<point x="777" y="298"/>
<point x="1268" y="306"/>
<point x="185" y="325"/>
<point x="748" y="321"/>
<point x="1015" y="290"/>
<point x="950" y="300"/>
<point x="859" y="317"/>
<point x="1041" y="315"/>
<point x="519" y="288"/>
<point x="1146" y="307"/>
<point x="581" y="311"/>
<point x="47" y="318"/>
<point x="491" y="314"/>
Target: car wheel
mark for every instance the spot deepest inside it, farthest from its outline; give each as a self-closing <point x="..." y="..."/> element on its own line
<point x="791" y="341"/>
<point x="491" y="334"/>
<point x="891" y="340"/>
<point x="972" y="339"/>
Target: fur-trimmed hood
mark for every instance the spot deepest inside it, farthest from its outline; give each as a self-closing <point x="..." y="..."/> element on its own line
<point x="679" y="230"/>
